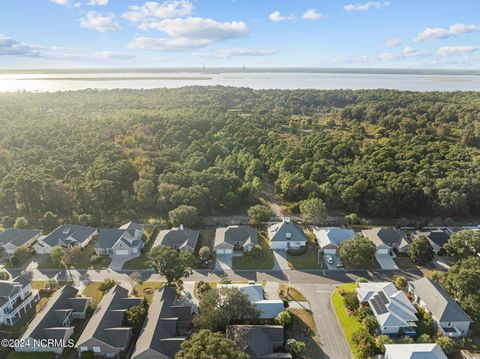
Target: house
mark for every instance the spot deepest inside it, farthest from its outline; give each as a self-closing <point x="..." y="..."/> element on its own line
<point x="16" y="298"/>
<point x="414" y="351"/>
<point x="259" y="341"/>
<point x="330" y="238"/>
<point x="135" y="226"/>
<point x="54" y="321"/>
<point x="13" y="238"/>
<point x="392" y="309"/>
<point x="120" y="242"/>
<point x="387" y="239"/>
<point x="178" y="238"/>
<point x="166" y="327"/>
<point x="105" y="333"/>
<point x="437" y="238"/>
<point x="66" y="235"/>
<point x="449" y="317"/>
<point x="269" y="308"/>
<point x="235" y="238"/>
<point x="286" y="234"/>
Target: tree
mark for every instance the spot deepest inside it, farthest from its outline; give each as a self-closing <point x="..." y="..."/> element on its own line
<point x="21" y="223"/>
<point x="380" y="342"/>
<point x="463" y="244"/>
<point x="57" y="254"/>
<point x="259" y="214"/>
<point x="370" y="323"/>
<point x="350" y="300"/>
<point x="447" y="344"/>
<point x="352" y="218"/>
<point x="365" y="343"/>
<point x="421" y="251"/>
<point x="424" y="338"/>
<point x="220" y="307"/>
<point x="71" y="256"/>
<point x="8" y="222"/>
<point x="107" y="284"/>
<point x="208" y="344"/>
<point x="313" y="210"/>
<point x="400" y="282"/>
<point x="183" y="214"/>
<point x="170" y="263"/>
<point x="49" y="220"/>
<point x="297" y="348"/>
<point x="359" y="251"/>
<point x="134" y="318"/>
<point x="205" y="254"/>
<point x="4" y="275"/>
<point x="51" y="284"/>
<point x="284" y="318"/>
<point x="21" y="254"/>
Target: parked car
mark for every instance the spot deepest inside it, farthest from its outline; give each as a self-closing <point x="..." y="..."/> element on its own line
<point x="329" y="259"/>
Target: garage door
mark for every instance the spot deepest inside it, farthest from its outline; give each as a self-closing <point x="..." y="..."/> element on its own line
<point x="224" y="251"/>
<point x="330" y="251"/>
<point x="383" y="251"/>
<point x="121" y="252"/>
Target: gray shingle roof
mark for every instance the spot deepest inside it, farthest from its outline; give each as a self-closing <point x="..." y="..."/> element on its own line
<point x="438" y="302"/>
<point x="388" y="236"/>
<point x="108" y="237"/>
<point x="106" y="324"/>
<point x="159" y="332"/>
<point x="438" y="237"/>
<point x="280" y="231"/>
<point x="177" y="237"/>
<point x="230" y="235"/>
<point x="134" y="226"/>
<point x="68" y="233"/>
<point x="17" y="237"/>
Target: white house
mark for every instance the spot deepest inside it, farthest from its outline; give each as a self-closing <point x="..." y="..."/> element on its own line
<point x="330" y="238"/>
<point x="414" y="351"/>
<point x="392" y="309"/>
<point x="66" y="235"/>
<point x="13" y="238"/>
<point x="235" y="238"/>
<point x="449" y="317"/>
<point x="120" y="241"/>
<point x="269" y="308"/>
<point x="387" y="239"/>
<point x="286" y="234"/>
<point x="16" y="297"/>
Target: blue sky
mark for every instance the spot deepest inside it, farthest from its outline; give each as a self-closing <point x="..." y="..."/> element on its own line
<point x="296" y="33"/>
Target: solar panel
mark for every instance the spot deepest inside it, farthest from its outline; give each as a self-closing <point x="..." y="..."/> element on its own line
<point x="383" y="298"/>
<point x="378" y="306"/>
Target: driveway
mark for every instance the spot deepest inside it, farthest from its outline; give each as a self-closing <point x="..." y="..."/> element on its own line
<point x="223" y="262"/>
<point x="332" y="339"/>
<point x="280" y="259"/>
<point x="336" y="260"/>
<point x="118" y="261"/>
<point x="386" y="261"/>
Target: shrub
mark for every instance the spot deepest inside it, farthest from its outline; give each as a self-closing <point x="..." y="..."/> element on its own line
<point x="405" y="340"/>
<point x="363" y="312"/>
<point x="284" y="318"/>
<point x="447" y="344"/>
<point x="95" y="259"/>
<point x="380" y="342"/>
<point x="400" y="282"/>
<point x="370" y="323"/>
<point x="87" y="355"/>
<point x="4" y="275"/>
<point x="225" y="280"/>
<point x="350" y="301"/>
<point x="297" y="348"/>
<point x="424" y="338"/>
<point x="296" y="251"/>
<point x="107" y="285"/>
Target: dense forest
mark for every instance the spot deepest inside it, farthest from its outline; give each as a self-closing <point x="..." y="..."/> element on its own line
<point x="105" y="156"/>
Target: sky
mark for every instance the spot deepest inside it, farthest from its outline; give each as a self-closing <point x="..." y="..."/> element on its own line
<point x="232" y="33"/>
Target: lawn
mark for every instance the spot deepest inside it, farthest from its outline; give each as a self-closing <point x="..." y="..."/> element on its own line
<point x="372" y="264"/>
<point x="265" y="261"/>
<point x="92" y="290"/>
<point x="349" y="323"/>
<point x="303" y="328"/>
<point x="307" y="260"/>
<point x="206" y="238"/>
<point x="141" y="261"/>
<point x="150" y="285"/>
<point x="83" y="260"/>
<point x="291" y="293"/>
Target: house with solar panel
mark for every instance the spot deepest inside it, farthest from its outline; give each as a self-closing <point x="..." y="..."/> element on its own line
<point x="394" y="312"/>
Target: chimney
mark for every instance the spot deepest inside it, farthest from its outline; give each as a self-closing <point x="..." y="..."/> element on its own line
<point x="286" y="219"/>
<point x="181" y="227"/>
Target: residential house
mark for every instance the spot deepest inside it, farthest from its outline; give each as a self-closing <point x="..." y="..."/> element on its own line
<point x="392" y="309"/>
<point x="166" y="327"/>
<point x="259" y="341"/>
<point x="414" y="351"/>
<point x="16" y="298"/>
<point x="54" y="321"/>
<point x="235" y="238"/>
<point x="449" y="317"/>
<point x="269" y="308"/>
<point x="286" y="234"/>
<point x="135" y="226"/>
<point x="105" y="333"/>
<point x="437" y="238"/>
<point x="120" y="242"/>
<point x="178" y="238"/>
<point x="13" y="238"/>
<point x="330" y="238"/>
<point x="387" y="239"/>
<point x="66" y="235"/>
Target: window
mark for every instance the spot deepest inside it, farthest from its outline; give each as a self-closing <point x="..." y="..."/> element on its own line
<point x="84" y="349"/>
<point x="96" y="349"/>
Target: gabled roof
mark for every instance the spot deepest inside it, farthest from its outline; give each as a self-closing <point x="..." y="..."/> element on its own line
<point x="8" y="288"/>
<point x="105" y="324"/>
<point x="228" y="236"/>
<point x="159" y="332"/>
<point x="254" y="292"/>
<point x="134" y="226"/>
<point x="390" y="306"/>
<point x="414" y="351"/>
<point x="177" y="237"/>
<point x="333" y="235"/>
<point x="438" y="302"/>
<point x="108" y="237"/>
<point x="438" y="236"/>
<point x="286" y="230"/>
<point x="386" y="236"/>
<point x="17" y="237"/>
<point x="69" y="234"/>
<point x="48" y="323"/>
<point x="257" y="341"/>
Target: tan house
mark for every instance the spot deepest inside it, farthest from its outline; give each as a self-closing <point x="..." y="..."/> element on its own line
<point x="235" y="238"/>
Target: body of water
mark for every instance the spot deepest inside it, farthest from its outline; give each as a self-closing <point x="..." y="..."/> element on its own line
<point x="62" y="81"/>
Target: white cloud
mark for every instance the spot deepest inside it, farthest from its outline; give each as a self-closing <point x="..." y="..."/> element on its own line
<point x="152" y="10"/>
<point x="77" y="5"/>
<point x="456" y="50"/>
<point x="393" y="42"/>
<point x="312" y="14"/>
<point x="97" y="2"/>
<point x="100" y="22"/>
<point x="366" y="6"/>
<point x="234" y="52"/>
<point x="277" y="17"/>
<point x="60" y="2"/>
<point x="159" y="44"/>
<point x="440" y="33"/>
<point x="407" y="52"/>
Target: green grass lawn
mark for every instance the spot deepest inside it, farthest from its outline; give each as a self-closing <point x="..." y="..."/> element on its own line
<point x="141" y="261"/>
<point x="308" y="260"/>
<point x="291" y="293"/>
<point x="92" y="290"/>
<point x="303" y="328"/>
<point x="265" y="261"/>
<point x="372" y="264"/>
<point x="152" y="285"/>
<point x="83" y="261"/>
<point x="348" y="323"/>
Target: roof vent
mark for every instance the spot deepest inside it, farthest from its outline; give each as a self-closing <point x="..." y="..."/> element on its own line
<point x="181" y="227"/>
<point x="66" y="230"/>
<point x="286" y="219"/>
<point x="288" y="235"/>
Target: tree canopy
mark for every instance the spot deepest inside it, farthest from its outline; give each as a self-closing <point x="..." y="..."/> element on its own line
<point x="171" y="263"/>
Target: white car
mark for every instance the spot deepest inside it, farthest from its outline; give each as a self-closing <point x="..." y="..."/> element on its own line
<point x="329" y="259"/>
